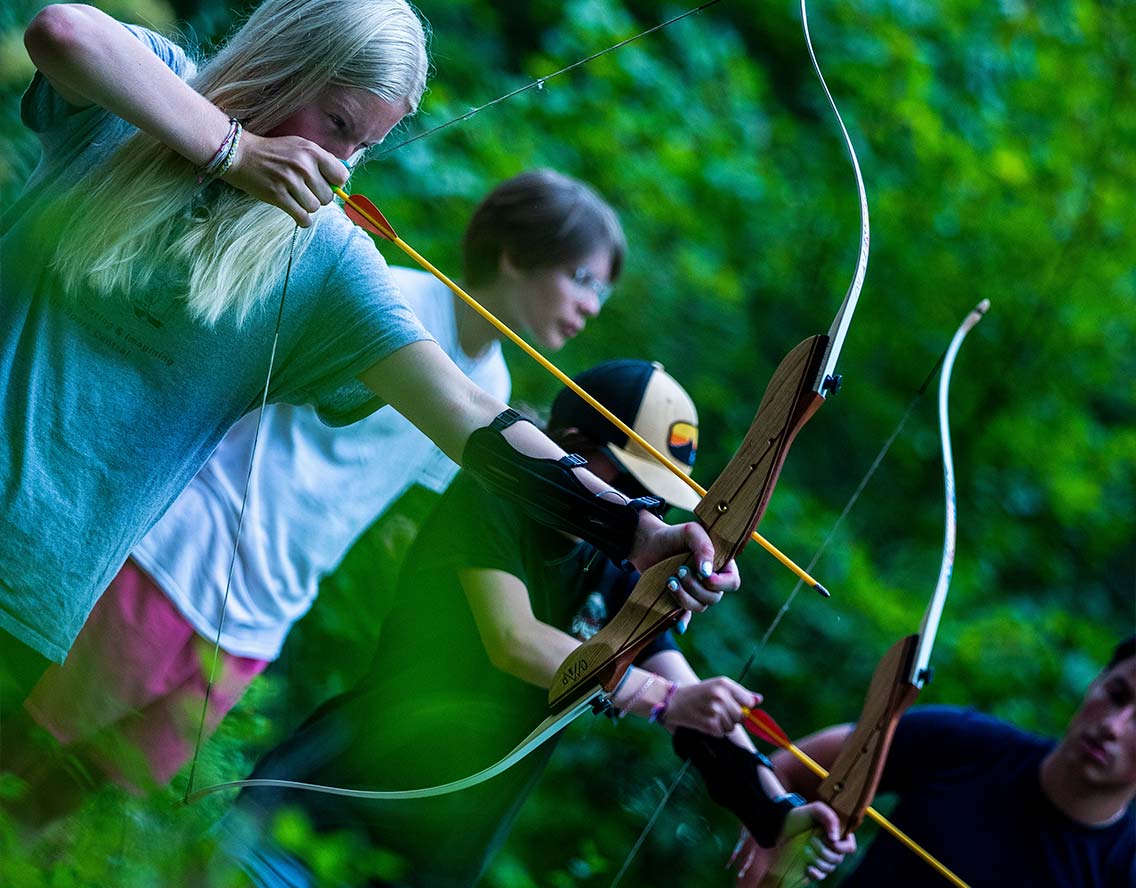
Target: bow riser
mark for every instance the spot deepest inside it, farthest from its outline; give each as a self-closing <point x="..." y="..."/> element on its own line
<point x="855" y="775"/>
<point x="736" y="501"/>
<point x="730" y="511"/>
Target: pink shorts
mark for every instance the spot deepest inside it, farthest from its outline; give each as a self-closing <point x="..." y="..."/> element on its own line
<point x="130" y="694"/>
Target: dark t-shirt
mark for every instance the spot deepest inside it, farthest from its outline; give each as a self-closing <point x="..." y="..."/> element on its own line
<point x="433" y="708"/>
<point x="969" y="793"/>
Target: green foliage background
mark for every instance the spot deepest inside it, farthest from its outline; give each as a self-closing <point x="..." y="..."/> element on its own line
<point x="996" y="141"/>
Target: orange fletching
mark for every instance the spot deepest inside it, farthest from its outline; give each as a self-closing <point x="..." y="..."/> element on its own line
<point x="367" y="216"/>
<point x="761" y="724"/>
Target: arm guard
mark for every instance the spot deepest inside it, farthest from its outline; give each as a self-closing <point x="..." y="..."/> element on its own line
<point x="548" y="491"/>
<point x="730" y="775"/>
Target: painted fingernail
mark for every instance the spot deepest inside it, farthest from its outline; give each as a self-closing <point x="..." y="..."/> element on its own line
<point x="681" y="625"/>
<point x="672" y="584"/>
<point x="707" y="568"/>
<point x="683" y="571"/>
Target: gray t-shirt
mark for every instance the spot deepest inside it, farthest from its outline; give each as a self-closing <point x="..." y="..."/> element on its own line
<point x="110" y="406"/>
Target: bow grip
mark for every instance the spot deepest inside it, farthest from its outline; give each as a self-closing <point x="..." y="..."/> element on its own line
<point x="851" y="784"/>
<point x="729" y="511"/>
<point x="607" y="655"/>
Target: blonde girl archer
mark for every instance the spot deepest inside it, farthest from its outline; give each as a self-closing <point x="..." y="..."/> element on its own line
<point x="149" y="276"/>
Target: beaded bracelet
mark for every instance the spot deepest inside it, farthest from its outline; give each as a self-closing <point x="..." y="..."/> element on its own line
<point x="659" y="710"/>
<point x="208" y="171"/>
<point x="231" y="155"/>
<point x="638" y="695"/>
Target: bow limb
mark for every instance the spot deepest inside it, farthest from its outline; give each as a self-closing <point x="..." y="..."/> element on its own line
<point x="594" y="699"/>
<point x="729" y="511"/>
<point x="851" y="785"/>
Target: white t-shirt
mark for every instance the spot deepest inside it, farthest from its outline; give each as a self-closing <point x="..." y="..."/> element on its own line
<point x="314" y="490"/>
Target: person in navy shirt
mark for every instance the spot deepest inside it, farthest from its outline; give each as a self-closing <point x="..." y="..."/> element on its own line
<point x="996" y="805"/>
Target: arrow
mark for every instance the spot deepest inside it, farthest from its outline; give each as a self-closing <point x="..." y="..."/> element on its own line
<point x="761" y="724"/>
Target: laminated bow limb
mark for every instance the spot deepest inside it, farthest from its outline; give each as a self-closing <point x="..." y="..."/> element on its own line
<point x="762" y="724"/>
<point x="851" y="785"/>
<point x="824" y="381"/>
<point x="593" y="699"/>
<point x="729" y="511"/>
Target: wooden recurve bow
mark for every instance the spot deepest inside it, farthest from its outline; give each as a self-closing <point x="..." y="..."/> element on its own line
<point x="730" y="511"/>
<point x="734" y="505"/>
<point x="851" y="784"/>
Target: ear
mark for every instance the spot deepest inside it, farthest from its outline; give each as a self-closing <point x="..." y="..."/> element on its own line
<point x="506" y="268"/>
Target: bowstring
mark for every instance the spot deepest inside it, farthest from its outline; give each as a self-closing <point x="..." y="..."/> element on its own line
<point x="850" y="298"/>
<point x="240" y="522"/>
<point x="848" y="506"/>
<point x="539" y="83"/>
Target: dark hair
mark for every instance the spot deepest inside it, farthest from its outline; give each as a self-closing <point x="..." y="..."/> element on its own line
<point x="540" y="219"/>
<point x="1122" y="652"/>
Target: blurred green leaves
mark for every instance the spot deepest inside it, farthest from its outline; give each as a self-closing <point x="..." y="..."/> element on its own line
<point x="996" y="141"/>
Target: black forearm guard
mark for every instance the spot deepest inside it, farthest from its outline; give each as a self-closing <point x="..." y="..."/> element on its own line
<point x="549" y="492"/>
<point x="730" y="775"/>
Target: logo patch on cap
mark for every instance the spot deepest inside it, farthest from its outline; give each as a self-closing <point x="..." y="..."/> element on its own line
<point x="682" y="442"/>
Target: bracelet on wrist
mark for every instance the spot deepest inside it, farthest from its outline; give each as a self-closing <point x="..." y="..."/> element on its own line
<point x="230" y="155"/>
<point x="659" y="710"/>
<point x="638" y="695"/>
<point x="223" y="158"/>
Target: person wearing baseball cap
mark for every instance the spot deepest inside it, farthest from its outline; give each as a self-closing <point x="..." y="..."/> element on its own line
<point x="658" y="409"/>
<point x="490" y="603"/>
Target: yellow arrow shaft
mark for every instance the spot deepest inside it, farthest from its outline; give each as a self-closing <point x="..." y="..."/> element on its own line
<point x="886" y="824"/>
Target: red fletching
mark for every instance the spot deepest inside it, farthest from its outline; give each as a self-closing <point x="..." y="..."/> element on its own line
<point x="761" y="724"/>
<point x="367" y="216"/>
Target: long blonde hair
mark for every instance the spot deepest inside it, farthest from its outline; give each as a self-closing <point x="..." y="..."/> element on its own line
<point x="132" y="215"/>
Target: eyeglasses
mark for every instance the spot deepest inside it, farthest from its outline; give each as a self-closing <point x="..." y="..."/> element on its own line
<point x="584" y="278"/>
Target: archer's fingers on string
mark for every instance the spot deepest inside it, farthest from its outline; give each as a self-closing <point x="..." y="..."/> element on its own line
<point x="320" y="188"/>
<point x="301" y="193"/>
<point x="332" y="169"/>
<point x="745" y="697"/>
<point x="292" y="208"/>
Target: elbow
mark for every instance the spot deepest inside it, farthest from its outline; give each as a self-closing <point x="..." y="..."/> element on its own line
<point x="503" y="651"/>
<point x="500" y="655"/>
<point x="55" y="34"/>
